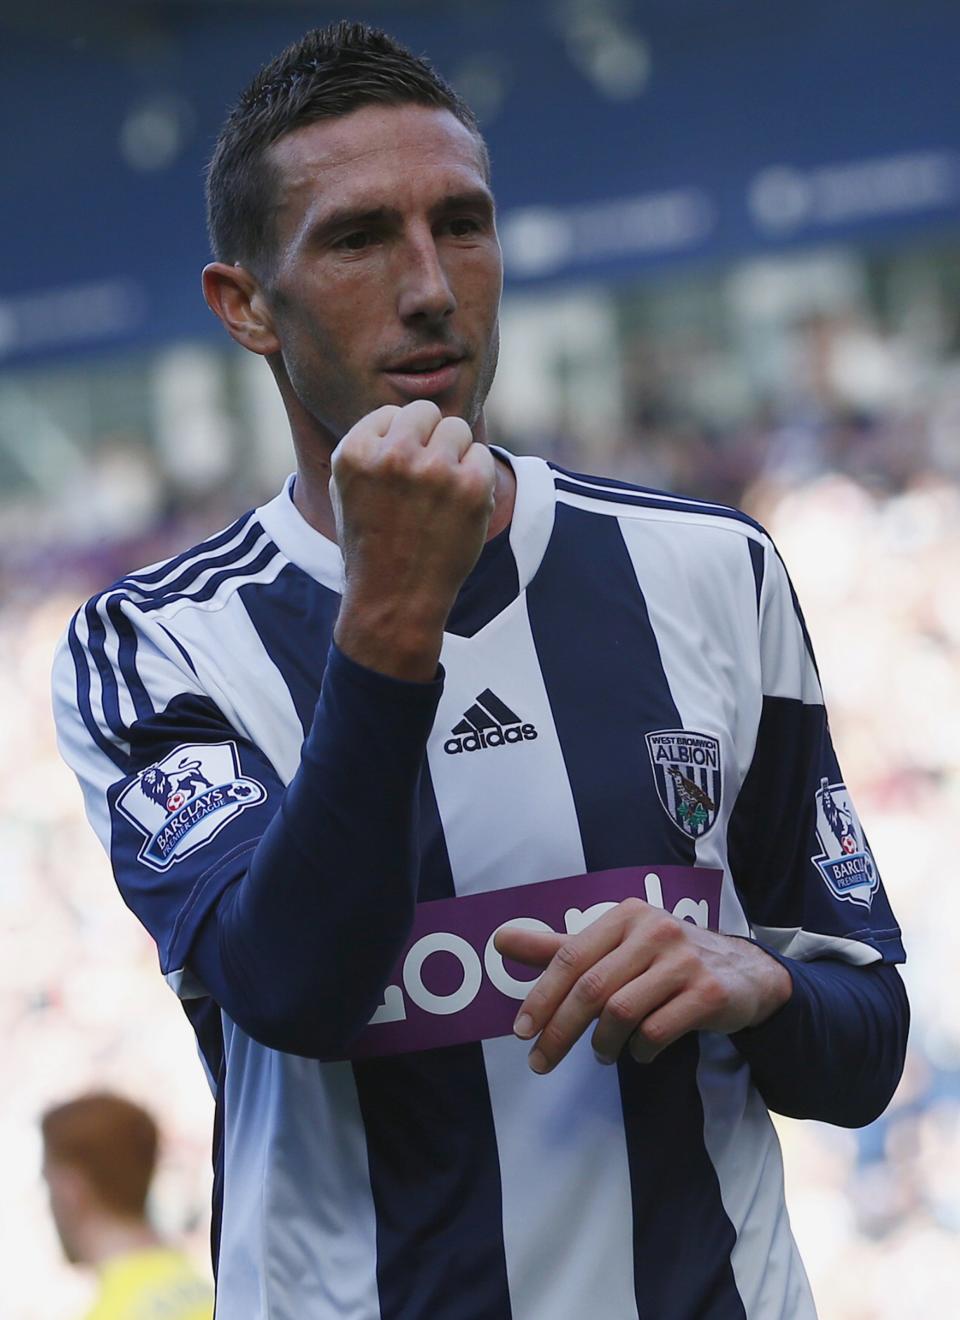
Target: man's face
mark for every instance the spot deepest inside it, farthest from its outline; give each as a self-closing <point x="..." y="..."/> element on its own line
<point x="387" y="274"/>
<point x="66" y="1193"/>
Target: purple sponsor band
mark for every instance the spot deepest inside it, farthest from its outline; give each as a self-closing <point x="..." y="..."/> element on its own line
<point x="450" y="985"/>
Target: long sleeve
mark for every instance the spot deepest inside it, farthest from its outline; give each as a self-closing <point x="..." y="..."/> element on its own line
<point x="284" y="897"/>
<point x="835" y="1051"/>
<point x="812" y="893"/>
<point x="299" y="946"/>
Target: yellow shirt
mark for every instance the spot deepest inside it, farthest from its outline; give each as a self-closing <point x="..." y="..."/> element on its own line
<point x="159" y="1284"/>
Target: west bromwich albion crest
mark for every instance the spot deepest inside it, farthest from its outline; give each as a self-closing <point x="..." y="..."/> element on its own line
<point x="686" y="771"/>
<point x="181" y="802"/>
<point x="846" y="863"/>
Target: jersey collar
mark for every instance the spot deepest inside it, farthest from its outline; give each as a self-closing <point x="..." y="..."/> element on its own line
<point x="320" y="557"/>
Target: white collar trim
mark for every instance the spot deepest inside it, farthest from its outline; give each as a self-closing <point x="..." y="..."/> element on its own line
<point x="320" y="557"/>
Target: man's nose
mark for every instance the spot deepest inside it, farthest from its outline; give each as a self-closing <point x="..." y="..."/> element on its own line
<point x="425" y="292"/>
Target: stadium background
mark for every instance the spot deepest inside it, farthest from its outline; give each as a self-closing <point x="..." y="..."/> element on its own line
<point x="732" y="241"/>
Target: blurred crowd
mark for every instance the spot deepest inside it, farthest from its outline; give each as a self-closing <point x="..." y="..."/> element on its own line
<point x="856" y="472"/>
<point x="82" y="1004"/>
<point x="877" y="1212"/>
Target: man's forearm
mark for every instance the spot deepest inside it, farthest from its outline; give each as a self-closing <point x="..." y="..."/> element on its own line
<point x="835" y="1051"/>
<point x="300" y="946"/>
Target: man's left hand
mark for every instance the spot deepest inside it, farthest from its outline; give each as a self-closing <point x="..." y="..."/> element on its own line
<point x="646" y="977"/>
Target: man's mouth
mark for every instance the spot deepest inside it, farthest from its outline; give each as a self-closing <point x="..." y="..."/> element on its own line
<point x="423" y="375"/>
<point x="415" y="366"/>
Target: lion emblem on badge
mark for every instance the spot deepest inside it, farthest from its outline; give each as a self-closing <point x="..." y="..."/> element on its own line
<point x="840" y="821"/>
<point x="173" y="790"/>
<point x="845" y="860"/>
<point x="181" y="802"/>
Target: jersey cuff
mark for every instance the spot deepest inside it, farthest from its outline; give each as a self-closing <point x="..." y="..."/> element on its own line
<point x="810" y="982"/>
<point x="785" y="1021"/>
<point x="403" y="689"/>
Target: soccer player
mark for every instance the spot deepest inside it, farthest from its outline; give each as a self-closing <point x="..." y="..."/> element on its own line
<point x="435" y="712"/>
<point x="99" y="1153"/>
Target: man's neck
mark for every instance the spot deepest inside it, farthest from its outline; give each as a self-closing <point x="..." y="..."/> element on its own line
<point x="109" y="1238"/>
<point x="311" y="493"/>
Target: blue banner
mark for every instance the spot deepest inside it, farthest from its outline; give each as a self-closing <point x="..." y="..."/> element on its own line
<point x="624" y="136"/>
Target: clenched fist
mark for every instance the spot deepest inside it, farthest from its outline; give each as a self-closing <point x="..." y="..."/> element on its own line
<point x="412" y="495"/>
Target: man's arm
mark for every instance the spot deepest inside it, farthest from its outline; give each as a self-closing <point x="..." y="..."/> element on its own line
<point x="292" y="911"/>
<point x="300" y="946"/>
<point x="824" y="1040"/>
<point x="836" y="1049"/>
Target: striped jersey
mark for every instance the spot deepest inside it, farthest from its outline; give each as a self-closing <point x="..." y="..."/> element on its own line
<point x="629" y="705"/>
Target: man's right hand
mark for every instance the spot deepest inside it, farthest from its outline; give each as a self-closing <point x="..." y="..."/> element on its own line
<point x="412" y="494"/>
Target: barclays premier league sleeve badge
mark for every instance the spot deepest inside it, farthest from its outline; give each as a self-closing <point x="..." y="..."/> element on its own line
<point x="181" y="802"/>
<point x="845" y="863"/>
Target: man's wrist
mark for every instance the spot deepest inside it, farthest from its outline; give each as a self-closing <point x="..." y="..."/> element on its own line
<point x="391" y="637"/>
<point x="779" y="988"/>
<point x="774" y="985"/>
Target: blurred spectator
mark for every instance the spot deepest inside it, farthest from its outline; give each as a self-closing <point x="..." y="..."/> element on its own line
<point x="99" y="1156"/>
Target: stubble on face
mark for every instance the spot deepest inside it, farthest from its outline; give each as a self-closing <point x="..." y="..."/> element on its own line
<point x="386" y="247"/>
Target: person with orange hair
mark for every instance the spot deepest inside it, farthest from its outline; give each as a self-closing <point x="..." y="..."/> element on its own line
<point x="99" y="1154"/>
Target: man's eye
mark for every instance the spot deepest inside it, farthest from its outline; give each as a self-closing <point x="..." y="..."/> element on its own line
<point x="463" y="227"/>
<point x="356" y="241"/>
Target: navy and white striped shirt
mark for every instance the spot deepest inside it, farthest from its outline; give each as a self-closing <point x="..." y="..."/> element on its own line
<point x="628" y="697"/>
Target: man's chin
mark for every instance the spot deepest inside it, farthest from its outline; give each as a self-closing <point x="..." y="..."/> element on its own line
<point x="450" y="403"/>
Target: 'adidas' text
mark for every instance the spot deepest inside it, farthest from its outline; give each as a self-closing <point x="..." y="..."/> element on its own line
<point x="488" y="723"/>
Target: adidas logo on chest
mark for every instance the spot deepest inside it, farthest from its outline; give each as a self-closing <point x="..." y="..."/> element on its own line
<point x="489" y="722"/>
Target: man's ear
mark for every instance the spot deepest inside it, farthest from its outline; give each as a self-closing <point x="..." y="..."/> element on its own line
<point x="235" y="296"/>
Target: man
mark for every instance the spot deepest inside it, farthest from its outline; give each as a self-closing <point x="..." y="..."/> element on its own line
<point x="99" y="1153"/>
<point x="433" y="712"/>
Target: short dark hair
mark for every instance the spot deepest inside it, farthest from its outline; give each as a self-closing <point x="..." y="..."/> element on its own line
<point x="329" y="72"/>
<point x="112" y="1141"/>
